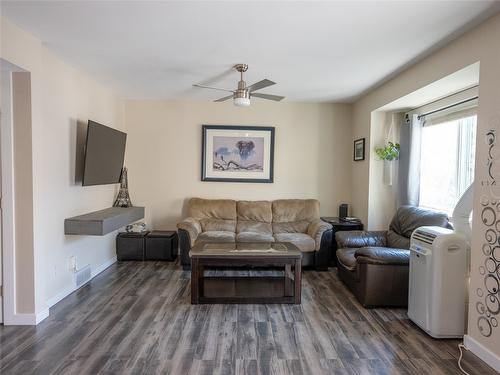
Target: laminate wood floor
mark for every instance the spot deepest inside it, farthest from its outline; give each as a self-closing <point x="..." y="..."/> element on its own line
<point x="136" y="318"/>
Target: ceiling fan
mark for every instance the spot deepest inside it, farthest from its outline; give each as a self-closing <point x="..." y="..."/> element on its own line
<point x="241" y="96"/>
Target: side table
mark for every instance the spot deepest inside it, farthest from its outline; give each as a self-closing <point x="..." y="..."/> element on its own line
<point x="339" y="225"/>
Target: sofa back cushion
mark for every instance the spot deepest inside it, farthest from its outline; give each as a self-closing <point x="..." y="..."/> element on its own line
<point x="294" y="215"/>
<point x="214" y="214"/>
<point x="409" y="218"/>
<point x="397" y="241"/>
<point x="254" y="216"/>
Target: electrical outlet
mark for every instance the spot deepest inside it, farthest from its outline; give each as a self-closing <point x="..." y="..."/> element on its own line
<point x="72" y="263"/>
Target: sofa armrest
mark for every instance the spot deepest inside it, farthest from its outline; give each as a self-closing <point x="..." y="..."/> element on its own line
<point x="192" y="226"/>
<point x="359" y="238"/>
<point x="316" y="229"/>
<point x="382" y="255"/>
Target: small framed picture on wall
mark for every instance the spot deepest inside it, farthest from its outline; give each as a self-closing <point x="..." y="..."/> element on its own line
<point x="359" y="149"/>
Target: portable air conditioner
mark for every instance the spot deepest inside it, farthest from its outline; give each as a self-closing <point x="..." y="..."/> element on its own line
<point x="437" y="281"/>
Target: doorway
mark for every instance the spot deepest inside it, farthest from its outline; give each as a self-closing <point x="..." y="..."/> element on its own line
<point x="15" y="125"/>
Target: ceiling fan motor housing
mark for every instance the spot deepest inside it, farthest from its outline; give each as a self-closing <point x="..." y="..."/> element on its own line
<point x="241" y="97"/>
<point x="242" y="91"/>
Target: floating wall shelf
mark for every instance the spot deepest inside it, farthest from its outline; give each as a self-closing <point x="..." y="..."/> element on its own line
<point x="102" y="222"/>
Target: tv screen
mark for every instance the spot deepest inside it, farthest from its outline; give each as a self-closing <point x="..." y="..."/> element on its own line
<point x="104" y="152"/>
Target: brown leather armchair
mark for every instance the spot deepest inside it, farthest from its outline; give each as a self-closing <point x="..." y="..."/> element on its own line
<point x="374" y="265"/>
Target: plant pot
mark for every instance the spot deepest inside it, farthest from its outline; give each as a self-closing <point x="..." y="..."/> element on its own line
<point x="388" y="172"/>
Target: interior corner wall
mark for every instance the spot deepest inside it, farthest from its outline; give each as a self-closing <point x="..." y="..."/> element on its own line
<point x="62" y="100"/>
<point x="382" y="196"/>
<point x="312" y="154"/>
<point x="480" y="44"/>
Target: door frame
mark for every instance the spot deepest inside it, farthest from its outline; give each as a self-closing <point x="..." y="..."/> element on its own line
<point x="7" y="170"/>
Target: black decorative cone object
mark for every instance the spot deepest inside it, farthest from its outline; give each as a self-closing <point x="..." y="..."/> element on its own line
<point x="123" y="199"/>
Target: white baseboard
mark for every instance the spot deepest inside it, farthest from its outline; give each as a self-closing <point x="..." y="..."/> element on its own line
<point x="103" y="266"/>
<point x="34" y="319"/>
<point x="70" y="289"/>
<point x="26" y="319"/>
<point x="59" y="296"/>
<point x="42" y="315"/>
<point x="482" y="352"/>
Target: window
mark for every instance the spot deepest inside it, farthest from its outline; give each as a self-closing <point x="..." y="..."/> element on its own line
<point x="447" y="160"/>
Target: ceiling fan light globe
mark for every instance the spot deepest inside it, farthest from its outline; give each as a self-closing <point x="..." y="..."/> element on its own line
<point x="241" y="102"/>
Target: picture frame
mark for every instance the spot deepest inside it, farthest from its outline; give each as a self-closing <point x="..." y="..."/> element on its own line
<point x="232" y="153"/>
<point x="359" y="149"/>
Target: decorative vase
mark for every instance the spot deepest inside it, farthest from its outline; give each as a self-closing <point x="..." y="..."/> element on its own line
<point x="388" y="172"/>
<point x="123" y="198"/>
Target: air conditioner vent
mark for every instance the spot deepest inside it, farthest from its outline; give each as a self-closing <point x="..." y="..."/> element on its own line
<point x="82" y="276"/>
<point x="423" y="236"/>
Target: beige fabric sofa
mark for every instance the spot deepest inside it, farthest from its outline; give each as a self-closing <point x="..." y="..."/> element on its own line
<point x="285" y="220"/>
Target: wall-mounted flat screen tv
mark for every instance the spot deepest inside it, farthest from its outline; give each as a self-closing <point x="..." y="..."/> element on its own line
<point x="104" y="153"/>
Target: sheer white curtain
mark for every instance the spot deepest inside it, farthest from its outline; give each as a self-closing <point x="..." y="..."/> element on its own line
<point x="409" y="161"/>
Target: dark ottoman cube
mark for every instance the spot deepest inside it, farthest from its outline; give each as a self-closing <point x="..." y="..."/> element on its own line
<point x="130" y="246"/>
<point x="161" y="245"/>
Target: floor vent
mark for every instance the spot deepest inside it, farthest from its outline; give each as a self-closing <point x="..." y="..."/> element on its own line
<point x="83" y="275"/>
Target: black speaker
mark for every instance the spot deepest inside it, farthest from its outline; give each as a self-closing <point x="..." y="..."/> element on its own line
<point x="343" y="210"/>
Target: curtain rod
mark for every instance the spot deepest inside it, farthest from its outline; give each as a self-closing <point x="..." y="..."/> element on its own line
<point x="447" y="107"/>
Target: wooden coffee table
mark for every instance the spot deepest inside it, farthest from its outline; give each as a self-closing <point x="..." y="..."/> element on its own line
<point x="246" y="289"/>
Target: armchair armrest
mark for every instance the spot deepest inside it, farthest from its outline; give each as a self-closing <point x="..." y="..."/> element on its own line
<point x="382" y="255"/>
<point x="192" y="226"/>
<point x="359" y="238"/>
<point x="316" y="229"/>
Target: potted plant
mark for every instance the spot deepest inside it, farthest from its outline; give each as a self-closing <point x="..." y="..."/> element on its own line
<point x="388" y="154"/>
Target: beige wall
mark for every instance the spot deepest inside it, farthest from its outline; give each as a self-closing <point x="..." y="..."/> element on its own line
<point x="62" y="97"/>
<point x="480" y="44"/>
<point x="312" y="154"/>
<point x="382" y="196"/>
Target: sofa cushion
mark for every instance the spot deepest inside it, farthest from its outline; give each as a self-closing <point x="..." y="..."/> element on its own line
<point x="397" y="241"/>
<point x="346" y="258"/>
<point x="218" y="225"/>
<point x="254" y="217"/>
<point x="293" y="227"/>
<point x="290" y="210"/>
<point x="294" y="215"/>
<point x="382" y="255"/>
<point x="254" y="237"/>
<point x="409" y="218"/>
<point x="212" y="208"/>
<point x="254" y="226"/>
<point x="303" y="241"/>
<point x="216" y="236"/>
<point x="254" y="211"/>
<point x="360" y="238"/>
<point x="214" y="214"/>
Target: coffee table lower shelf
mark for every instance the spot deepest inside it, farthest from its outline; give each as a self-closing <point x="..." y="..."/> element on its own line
<point x="285" y="288"/>
<point x="244" y="289"/>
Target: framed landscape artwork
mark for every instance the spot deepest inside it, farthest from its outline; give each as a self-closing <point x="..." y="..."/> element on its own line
<point x="237" y="153"/>
<point x="359" y="149"/>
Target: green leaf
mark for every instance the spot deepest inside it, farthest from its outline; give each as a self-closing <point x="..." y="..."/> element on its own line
<point x="389" y="152"/>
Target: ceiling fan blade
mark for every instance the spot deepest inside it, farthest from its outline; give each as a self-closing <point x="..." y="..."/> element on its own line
<point x="276" y="98"/>
<point x="224" y="98"/>
<point x="260" y="85"/>
<point x="213" y="88"/>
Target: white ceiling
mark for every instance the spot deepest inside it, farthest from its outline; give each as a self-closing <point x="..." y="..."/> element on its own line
<point x="315" y="51"/>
